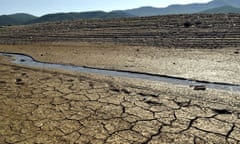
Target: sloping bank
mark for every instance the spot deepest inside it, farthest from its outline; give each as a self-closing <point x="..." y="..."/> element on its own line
<point x="26" y="60"/>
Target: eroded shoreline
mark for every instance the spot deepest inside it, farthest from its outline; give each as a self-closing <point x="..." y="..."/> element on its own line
<point x="26" y="60"/>
<point x="218" y="65"/>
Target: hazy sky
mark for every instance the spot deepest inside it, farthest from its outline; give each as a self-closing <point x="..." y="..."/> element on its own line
<point x="41" y="7"/>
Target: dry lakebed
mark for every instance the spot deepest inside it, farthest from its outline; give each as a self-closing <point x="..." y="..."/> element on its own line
<point x="146" y="80"/>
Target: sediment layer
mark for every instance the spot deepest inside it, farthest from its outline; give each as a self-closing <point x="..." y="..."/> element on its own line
<point x="199" y="30"/>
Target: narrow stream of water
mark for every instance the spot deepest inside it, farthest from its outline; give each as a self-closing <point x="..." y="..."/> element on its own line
<point x="25" y="60"/>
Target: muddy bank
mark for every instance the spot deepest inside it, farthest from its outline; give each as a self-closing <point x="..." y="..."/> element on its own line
<point x="25" y="60"/>
<point x="219" y="65"/>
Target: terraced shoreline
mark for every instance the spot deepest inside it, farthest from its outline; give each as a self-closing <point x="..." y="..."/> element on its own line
<point x="203" y="31"/>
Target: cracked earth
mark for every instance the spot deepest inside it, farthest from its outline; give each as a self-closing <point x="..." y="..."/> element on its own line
<point x="39" y="106"/>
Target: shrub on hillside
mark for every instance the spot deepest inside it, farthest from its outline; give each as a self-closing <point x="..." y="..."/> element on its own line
<point x="198" y="22"/>
<point x="187" y="24"/>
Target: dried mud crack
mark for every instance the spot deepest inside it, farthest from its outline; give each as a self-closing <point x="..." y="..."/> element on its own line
<point x="50" y="107"/>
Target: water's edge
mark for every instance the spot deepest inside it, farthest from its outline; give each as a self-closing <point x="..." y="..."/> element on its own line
<point x="27" y="60"/>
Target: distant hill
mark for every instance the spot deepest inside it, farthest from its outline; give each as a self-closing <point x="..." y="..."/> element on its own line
<point x="6" y="20"/>
<point x="22" y="17"/>
<point x="182" y="9"/>
<point x="15" y="19"/>
<point x="83" y="15"/>
<point x="224" y="9"/>
<point x="214" y="6"/>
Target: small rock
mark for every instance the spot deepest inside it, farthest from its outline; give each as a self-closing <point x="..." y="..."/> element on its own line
<point x="23" y="131"/>
<point x="116" y="90"/>
<point x="183" y="104"/>
<point x="24" y="74"/>
<point x="222" y="111"/>
<point x="199" y="87"/>
<point x="22" y="60"/>
<point x="70" y="80"/>
<point x="236" y="52"/>
<point x="16" y="68"/>
<point x="18" y="80"/>
<point x="199" y="140"/>
<point x="143" y="94"/>
<point x="126" y="91"/>
<point x="38" y="124"/>
<point x="2" y="82"/>
<point x="151" y="102"/>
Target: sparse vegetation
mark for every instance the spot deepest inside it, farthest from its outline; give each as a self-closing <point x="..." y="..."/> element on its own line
<point x="198" y="23"/>
<point x="187" y="24"/>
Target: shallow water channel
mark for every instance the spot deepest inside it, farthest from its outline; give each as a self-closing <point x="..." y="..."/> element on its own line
<point x="26" y="60"/>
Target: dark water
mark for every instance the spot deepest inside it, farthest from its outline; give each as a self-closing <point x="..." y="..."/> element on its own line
<point x="29" y="61"/>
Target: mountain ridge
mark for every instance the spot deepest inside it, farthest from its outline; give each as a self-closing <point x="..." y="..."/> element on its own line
<point x="224" y="9"/>
<point x="22" y="18"/>
<point x="182" y="9"/>
<point x="214" y="6"/>
<point x="82" y="15"/>
<point x="15" y="19"/>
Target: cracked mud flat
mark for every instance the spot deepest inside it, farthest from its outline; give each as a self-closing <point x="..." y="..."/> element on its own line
<point x="39" y="106"/>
